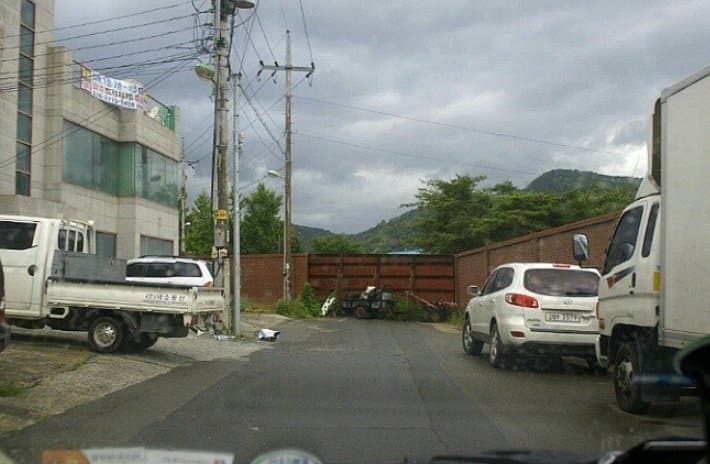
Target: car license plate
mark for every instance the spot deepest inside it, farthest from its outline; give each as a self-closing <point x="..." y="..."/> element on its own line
<point x="562" y="317"/>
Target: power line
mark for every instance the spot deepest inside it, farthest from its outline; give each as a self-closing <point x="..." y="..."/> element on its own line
<point x="99" y="21"/>
<point x="44" y="81"/>
<point x="305" y="28"/>
<point x="410" y="155"/>
<point x="266" y="39"/>
<point x="261" y="120"/>
<point x="283" y="14"/>
<point x="465" y="128"/>
<point x="62" y="134"/>
<point x="109" y="44"/>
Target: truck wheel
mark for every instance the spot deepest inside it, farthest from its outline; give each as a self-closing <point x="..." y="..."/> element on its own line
<point x="106" y="334"/>
<point x="130" y="345"/>
<point x="470" y="345"/>
<point x="495" y="355"/>
<point x="626" y="371"/>
<point x="361" y="312"/>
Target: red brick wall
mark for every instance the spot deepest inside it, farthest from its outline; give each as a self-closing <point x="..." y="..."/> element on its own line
<point x="552" y="245"/>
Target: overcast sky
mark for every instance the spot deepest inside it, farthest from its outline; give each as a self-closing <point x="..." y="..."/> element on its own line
<point x="505" y="89"/>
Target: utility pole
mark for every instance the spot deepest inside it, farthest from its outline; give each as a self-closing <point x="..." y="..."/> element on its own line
<point x="287" y="162"/>
<point x="183" y="197"/>
<point x="236" y="216"/>
<point x="220" y="144"/>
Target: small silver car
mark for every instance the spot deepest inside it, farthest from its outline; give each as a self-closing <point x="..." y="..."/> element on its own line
<point x="533" y="309"/>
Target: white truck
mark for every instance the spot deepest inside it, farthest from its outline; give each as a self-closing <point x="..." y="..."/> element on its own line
<point x="53" y="278"/>
<point x="653" y="294"/>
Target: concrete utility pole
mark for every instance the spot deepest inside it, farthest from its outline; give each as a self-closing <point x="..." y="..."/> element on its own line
<point x="220" y="144"/>
<point x="183" y="196"/>
<point x="287" y="163"/>
<point x="236" y="216"/>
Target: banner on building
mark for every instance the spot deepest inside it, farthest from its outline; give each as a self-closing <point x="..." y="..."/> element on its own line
<point x="124" y="93"/>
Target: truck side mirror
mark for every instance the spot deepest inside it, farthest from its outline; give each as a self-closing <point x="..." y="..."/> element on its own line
<point x="580" y="247"/>
<point x="473" y="290"/>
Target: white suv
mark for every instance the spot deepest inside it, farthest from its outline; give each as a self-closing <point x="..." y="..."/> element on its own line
<point x="169" y="270"/>
<point x="534" y="309"/>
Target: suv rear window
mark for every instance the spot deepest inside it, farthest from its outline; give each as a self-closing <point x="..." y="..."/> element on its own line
<point x="16" y="235"/>
<point x="559" y="282"/>
<point x="187" y="270"/>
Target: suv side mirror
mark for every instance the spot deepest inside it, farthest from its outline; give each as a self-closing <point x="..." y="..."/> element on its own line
<point x="473" y="290"/>
<point x="580" y="247"/>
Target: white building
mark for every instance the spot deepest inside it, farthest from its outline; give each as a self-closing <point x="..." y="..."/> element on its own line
<point x="65" y="153"/>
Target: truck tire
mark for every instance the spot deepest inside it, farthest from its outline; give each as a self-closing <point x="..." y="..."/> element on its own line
<point x="495" y="355"/>
<point x="106" y="334"/>
<point x="626" y="368"/>
<point x="361" y="312"/>
<point x="130" y="345"/>
<point x="470" y="345"/>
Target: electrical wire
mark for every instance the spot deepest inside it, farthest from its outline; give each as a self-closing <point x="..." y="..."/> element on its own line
<point x="261" y="120"/>
<point x="61" y="135"/>
<point x="266" y="38"/>
<point x="305" y="28"/>
<point x="117" y="29"/>
<point x="99" y="21"/>
<point x="464" y="128"/>
<point x="409" y="155"/>
<point x="44" y="81"/>
<point x="109" y="44"/>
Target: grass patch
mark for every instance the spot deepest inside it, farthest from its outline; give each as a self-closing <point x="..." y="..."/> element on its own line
<point x="456" y="319"/>
<point x="305" y="306"/>
<point x="10" y="389"/>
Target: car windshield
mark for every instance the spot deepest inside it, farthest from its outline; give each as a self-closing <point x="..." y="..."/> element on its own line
<point x="558" y="282"/>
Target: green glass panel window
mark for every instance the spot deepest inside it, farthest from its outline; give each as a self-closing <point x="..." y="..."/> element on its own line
<point x="23" y="157"/>
<point x="24" y="99"/>
<point x="28" y="13"/>
<point x="78" y="147"/>
<point x="127" y="174"/>
<point x="25" y="73"/>
<point x="105" y="165"/>
<point x="24" y="128"/>
<point x="27" y="41"/>
<point x="22" y="183"/>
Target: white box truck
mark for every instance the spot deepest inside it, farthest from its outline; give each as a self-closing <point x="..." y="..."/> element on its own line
<point x="653" y="294"/>
<point x="54" y="279"/>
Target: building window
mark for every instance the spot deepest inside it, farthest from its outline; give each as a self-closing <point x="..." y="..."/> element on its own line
<point x="123" y="169"/>
<point x="156" y="246"/>
<point x="156" y="177"/>
<point x="90" y="159"/>
<point x="106" y="244"/>
<point x="23" y="152"/>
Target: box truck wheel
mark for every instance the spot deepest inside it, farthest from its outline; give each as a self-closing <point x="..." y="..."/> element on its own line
<point x="106" y="334"/>
<point x="626" y="373"/>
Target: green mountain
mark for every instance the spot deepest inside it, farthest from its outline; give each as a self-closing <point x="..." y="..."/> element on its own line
<point x="395" y="234"/>
<point x="564" y="180"/>
<point x="307" y="234"/>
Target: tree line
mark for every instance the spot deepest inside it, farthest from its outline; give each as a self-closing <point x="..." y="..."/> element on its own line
<point x="449" y="216"/>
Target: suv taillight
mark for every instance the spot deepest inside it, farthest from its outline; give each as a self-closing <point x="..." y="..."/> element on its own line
<point x="519" y="299"/>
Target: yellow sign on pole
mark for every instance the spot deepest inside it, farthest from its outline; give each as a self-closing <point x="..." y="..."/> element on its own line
<point x="221" y="215"/>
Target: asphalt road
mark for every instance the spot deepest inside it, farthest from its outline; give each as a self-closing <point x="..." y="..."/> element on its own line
<point x="359" y="391"/>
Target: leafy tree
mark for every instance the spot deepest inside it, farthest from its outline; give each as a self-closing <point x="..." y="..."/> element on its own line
<point x="335" y="244"/>
<point x="262" y="226"/>
<point x="199" y="234"/>
<point x="457" y="215"/>
<point x="446" y="223"/>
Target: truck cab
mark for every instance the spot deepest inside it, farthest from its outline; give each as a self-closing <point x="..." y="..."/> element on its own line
<point x="25" y="244"/>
